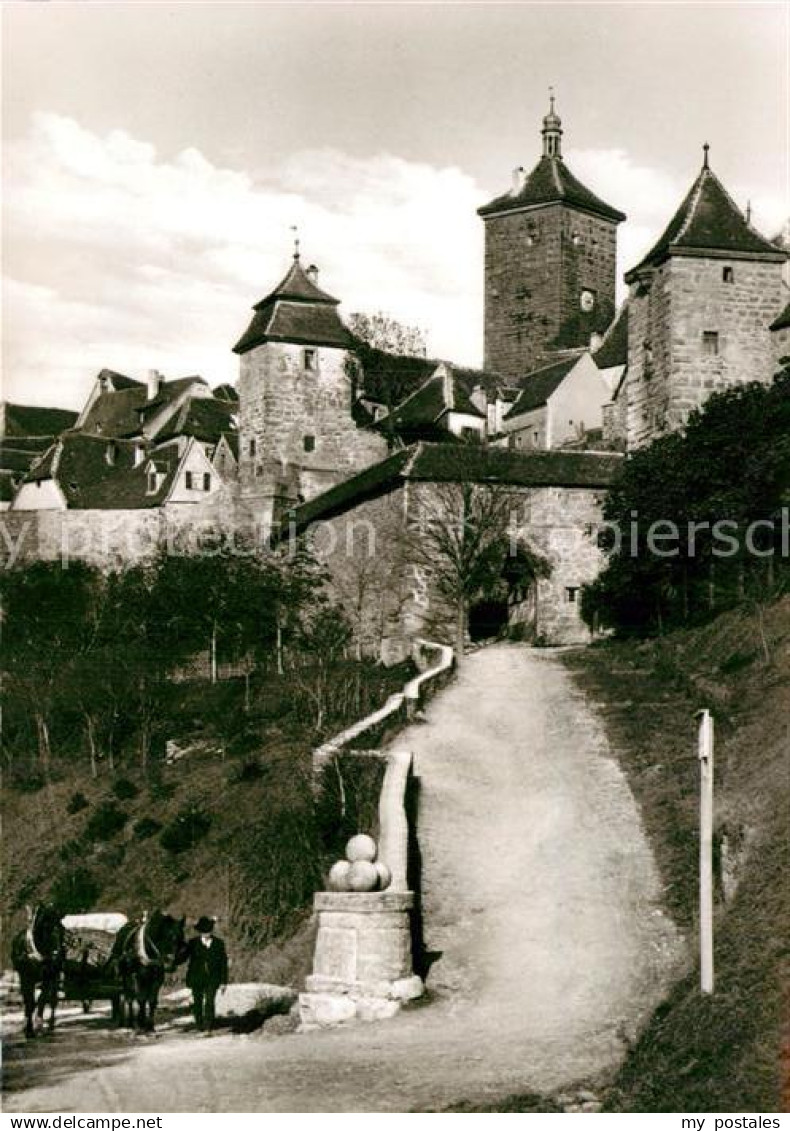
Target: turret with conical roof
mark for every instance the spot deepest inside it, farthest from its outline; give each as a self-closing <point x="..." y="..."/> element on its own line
<point x="297" y="432"/>
<point x="708" y="223"/>
<point x="702" y="301"/>
<point x="297" y="310"/>
<point x="550" y="262"/>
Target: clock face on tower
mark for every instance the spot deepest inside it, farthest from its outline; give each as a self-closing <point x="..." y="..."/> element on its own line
<point x="587" y="301"/>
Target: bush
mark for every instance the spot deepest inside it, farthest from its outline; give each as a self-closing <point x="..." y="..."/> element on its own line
<point x="146" y="827"/>
<point x="106" y="822"/>
<point x="188" y="828"/>
<point x="124" y="789"/>
<point x="77" y="802"/>
<point x="737" y="662"/>
<point x="30" y="783"/>
<point x="72" y="850"/>
<point x="75" y="891"/>
<point x="248" y="771"/>
<point x="160" y="790"/>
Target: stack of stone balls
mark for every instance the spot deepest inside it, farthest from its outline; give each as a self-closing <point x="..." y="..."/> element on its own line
<point x="360" y="871"/>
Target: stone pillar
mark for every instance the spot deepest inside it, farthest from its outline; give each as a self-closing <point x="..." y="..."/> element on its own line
<point x="394" y="838"/>
<point x="363" y="964"/>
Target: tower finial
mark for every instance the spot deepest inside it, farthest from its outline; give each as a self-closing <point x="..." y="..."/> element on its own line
<point x="705" y="150"/>
<point x="552" y="130"/>
<point x="295" y="231"/>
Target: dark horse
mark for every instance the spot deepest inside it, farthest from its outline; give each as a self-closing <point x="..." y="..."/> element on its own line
<point x="144" y="951"/>
<point x="37" y="955"/>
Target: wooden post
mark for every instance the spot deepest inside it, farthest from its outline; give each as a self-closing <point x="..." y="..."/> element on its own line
<point x="706" y="851"/>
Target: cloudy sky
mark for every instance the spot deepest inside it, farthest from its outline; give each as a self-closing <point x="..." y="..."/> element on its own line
<point x="156" y="156"/>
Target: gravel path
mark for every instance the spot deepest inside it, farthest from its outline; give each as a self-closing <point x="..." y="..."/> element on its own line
<point x="540" y="892"/>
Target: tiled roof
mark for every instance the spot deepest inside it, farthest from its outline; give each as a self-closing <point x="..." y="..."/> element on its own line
<point x="205" y="418"/>
<point x="298" y="287"/>
<point x="388" y="378"/>
<point x="613" y="350"/>
<point x="551" y="182"/>
<point x="170" y="391"/>
<point x="78" y="464"/>
<point x="30" y="420"/>
<point x="118" y="381"/>
<point x="783" y="321"/>
<point x="226" y="393"/>
<point x="296" y="311"/>
<point x="419" y="414"/>
<point x="419" y="411"/>
<point x="465" y="463"/>
<point x="537" y="387"/>
<point x="119" y="413"/>
<point x="116" y="413"/>
<point x="18" y="455"/>
<point x="708" y="221"/>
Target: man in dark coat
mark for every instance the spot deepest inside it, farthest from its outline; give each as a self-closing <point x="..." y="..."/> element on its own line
<point x="207" y="971"/>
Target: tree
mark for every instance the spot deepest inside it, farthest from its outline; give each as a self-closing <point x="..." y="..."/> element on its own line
<point x="369" y="585"/>
<point x="49" y="618"/>
<point x="385" y="333"/>
<point x="731" y="465"/>
<point x="462" y="537"/>
<point x="324" y="635"/>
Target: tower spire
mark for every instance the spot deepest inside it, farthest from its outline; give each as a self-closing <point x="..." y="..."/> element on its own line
<point x="552" y="130"/>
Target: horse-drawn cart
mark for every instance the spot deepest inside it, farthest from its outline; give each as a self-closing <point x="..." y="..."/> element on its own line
<point x="88" y="973"/>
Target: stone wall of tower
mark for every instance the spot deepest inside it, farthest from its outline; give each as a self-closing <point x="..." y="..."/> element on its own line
<point x="537" y="262"/>
<point x="669" y="371"/>
<point x="297" y="434"/>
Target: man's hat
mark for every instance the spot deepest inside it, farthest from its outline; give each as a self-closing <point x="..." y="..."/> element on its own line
<point x="204" y="924"/>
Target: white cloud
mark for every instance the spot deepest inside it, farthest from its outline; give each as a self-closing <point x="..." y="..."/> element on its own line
<point x="118" y="257"/>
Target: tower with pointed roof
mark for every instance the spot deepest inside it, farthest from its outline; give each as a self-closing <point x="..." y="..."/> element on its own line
<point x="701" y="304"/>
<point x="298" y="435"/>
<point x="550" y="248"/>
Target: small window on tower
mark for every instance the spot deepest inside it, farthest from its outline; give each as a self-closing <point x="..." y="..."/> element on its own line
<point x="310" y="360"/>
<point x="252" y="447"/>
<point x="188" y="480"/>
<point x="647" y="360"/>
<point x="570" y="593"/>
<point x="206" y="481"/>
<point x="309" y="443"/>
<point x="710" y="343"/>
<point x="728" y="275"/>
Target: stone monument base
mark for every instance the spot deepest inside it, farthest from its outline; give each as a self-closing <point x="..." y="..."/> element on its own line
<point x="363" y="965"/>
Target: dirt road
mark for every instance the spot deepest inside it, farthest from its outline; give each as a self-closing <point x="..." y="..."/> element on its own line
<point x="540" y="892"/>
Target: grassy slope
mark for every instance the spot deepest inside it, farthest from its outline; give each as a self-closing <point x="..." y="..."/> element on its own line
<point x="720" y="1053"/>
<point x="257" y="865"/>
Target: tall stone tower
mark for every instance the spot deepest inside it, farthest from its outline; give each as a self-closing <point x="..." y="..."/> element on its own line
<point x="701" y="304"/>
<point x="297" y="431"/>
<point x="550" y="247"/>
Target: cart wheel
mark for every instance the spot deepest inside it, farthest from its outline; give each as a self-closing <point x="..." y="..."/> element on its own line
<point x="86" y="1006"/>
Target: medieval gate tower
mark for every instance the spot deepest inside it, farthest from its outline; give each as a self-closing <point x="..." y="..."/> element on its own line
<point x="550" y="248"/>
